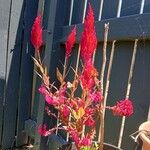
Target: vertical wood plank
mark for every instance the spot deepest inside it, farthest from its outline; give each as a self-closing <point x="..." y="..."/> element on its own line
<point x="140" y="94"/>
<point x="67" y="4"/>
<point x="130" y="7"/>
<point x="4" y="24"/>
<point x="13" y="72"/>
<point x="26" y="73"/>
<point x="52" y="4"/>
<point x="109" y="9"/>
<point x="147" y="6"/>
<point x="78" y="10"/>
<point x="96" y="6"/>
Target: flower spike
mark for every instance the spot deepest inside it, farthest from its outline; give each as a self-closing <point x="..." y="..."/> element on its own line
<point x="36" y="33"/>
<point x="70" y="42"/>
<point x="88" y="37"/>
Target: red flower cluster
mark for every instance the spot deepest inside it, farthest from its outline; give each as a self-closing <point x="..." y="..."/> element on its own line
<point x="65" y="111"/>
<point x="88" y="37"/>
<point x="42" y="89"/>
<point x="90" y="122"/>
<point x="123" y="108"/>
<point x="96" y="96"/>
<point x="86" y="141"/>
<point x="42" y="130"/>
<point x="53" y="99"/>
<point x="70" y="42"/>
<point x="74" y="135"/>
<point x="36" y="33"/>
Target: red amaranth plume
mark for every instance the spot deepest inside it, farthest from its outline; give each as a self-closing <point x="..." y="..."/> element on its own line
<point x="89" y="21"/>
<point x="88" y="37"/>
<point x="70" y="42"/>
<point x="36" y="33"/>
<point x="123" y="108"/>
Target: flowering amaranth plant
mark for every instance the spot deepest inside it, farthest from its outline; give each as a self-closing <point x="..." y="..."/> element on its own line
<point x="75" y="112"/>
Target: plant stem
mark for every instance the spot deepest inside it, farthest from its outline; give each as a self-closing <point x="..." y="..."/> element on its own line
<point x="39" y="57"/>
<point x="64" y="74"/>
<point x="65" y="67"/>
<point x="77" y="63"/>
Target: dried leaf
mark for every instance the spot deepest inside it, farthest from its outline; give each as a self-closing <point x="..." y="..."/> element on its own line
<point x="38" y="74"/>
<point x="41" y="69"/>
<point x="75" y="85"/>
<point x="38" y="65"/>
<point x="35" y="62"/>
<point x="59" y="76"/>
<point x="46" y="79"/>
<point x="46" y="71"/>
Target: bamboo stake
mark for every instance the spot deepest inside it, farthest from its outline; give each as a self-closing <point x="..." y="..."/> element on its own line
<point x="108" y="78"/>
<point x="77" y="62"/>
<point x="128" y="90"/>
<point x="148" y="116"/>
<point x="94" y="55"/>
<point x="106" y="28"/>
<point x="108" y="74"/>
<point x="101" y="130"/>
